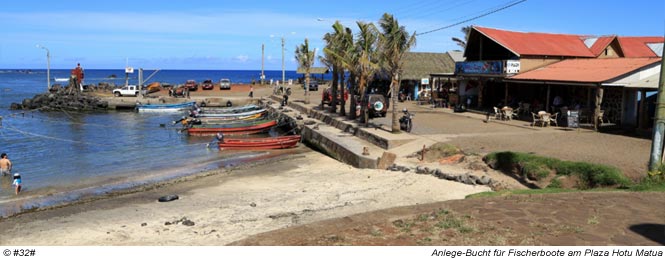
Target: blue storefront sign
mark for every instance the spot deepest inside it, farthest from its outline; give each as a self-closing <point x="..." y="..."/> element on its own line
<point x="479" y="67"/>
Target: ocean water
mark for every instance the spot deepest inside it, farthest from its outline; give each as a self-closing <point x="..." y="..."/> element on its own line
<point x="66" y="156"/>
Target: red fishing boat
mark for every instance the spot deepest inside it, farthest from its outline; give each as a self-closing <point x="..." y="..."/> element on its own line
<point x="232" y="129"/>
<point x="281" y="142"/>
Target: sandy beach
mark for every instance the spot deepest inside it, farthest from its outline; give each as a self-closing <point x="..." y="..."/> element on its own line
<point x="230" y="205"/>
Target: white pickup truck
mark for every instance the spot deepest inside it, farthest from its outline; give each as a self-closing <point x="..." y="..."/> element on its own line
<point x="130" y="90"/>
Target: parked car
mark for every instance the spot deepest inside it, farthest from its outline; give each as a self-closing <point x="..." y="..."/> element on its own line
<point x="207" y="85"/>
<point x="224" y="84"/>
<point x="130" y="90"/>
<point x="192" y="85"/>
<point x="377" y="105"/>
<point x="313" y="85"/>
<point x="327" y="96"/>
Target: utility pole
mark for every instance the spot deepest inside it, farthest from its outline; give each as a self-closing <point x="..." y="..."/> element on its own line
<point x="659" y="125"/>
<point x="263" y="53"/>
<point x="283" y="77"/>
<point x="48" y="67"/>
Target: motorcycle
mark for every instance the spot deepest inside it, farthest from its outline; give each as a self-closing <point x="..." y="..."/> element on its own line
<point x="405" y="122"/>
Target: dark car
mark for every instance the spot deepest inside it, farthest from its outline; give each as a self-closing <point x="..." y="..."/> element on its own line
<point x="191" y="85"/>
<point x="313" y="85"/>
<point x="327" y="96"/>
<point x="207" y="85"/>
<point x="377" y="105"/>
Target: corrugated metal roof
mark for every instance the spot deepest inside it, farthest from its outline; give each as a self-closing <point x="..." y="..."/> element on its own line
<point x="457" y="55"/>
<point x="545" y="44"/>
<point x="313" y="70"/>
<point x="636" y="47"/>
<point x="600" y="44"/>
<point x="657" y="48"/>
<point x="586" y="70"/>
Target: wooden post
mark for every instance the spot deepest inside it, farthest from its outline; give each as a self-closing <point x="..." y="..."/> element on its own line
<point x="547" y="102"/>
<point x="643" y="114"/>
<point x="480" y="92"/>
<point x="422" y="154"/>
<point x="596" y="112"/>
<point x="505" y="95"/>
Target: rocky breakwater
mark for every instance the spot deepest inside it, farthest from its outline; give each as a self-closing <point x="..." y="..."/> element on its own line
<point x="61" y="100"/>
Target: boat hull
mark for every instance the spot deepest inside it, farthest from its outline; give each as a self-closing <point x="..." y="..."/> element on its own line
<point x="266" y="143"/>
<point x="165" y="108"/>
<point x="237" y="129"/>
<point x="218" y="115"/>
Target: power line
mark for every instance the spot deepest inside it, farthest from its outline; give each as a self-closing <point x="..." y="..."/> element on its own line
<point x="475" y="17"/>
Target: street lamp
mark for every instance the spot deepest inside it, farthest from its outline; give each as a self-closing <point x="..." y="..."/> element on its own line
<point x="48" y="67"/>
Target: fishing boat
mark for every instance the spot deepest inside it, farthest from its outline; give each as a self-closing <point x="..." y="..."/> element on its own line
<point x="168" y="108"/>
<point x="229" y="110"/>
<point x="248" y="113"/>
<point x="233" y="129"/>
<point x="189" y="121"/>
<point x="223" y="120"/>
<point x="281" y="142"/>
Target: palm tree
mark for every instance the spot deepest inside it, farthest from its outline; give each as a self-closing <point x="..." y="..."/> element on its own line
<point x="333" y="62"/>
<point x="366" y="61"/>
<point x="305" y="59"/>
<point x="394" y="41"/>
<point x="339" y="45"/>
<point x="462" y="43"/>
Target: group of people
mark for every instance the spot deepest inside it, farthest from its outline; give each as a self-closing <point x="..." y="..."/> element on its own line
<point x="6" y="170"/>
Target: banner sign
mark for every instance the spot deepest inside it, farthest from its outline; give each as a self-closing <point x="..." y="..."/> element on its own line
<point x="479" y="67"/>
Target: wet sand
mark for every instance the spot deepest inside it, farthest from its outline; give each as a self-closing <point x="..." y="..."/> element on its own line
<point x="222" y="207"/>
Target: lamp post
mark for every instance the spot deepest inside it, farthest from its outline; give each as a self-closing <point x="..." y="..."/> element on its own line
<point x="48" y="67"/>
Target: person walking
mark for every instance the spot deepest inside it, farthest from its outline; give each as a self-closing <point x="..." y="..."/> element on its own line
<point x="251" y="91"/>
<point x="5" y="165"/>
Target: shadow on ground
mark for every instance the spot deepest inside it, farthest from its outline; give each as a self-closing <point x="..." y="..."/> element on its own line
<point x="655" y="232"/>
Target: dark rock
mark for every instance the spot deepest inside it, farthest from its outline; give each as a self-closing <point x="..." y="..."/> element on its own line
<point x="252" y="204"/>
<point x="420" y="170"/>
<point x="144" y="224"/>
<point x="188" y="222"/>
<point x="15" y="106"/>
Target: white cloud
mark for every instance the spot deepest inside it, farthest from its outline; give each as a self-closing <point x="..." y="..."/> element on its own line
<point x="241" y="58"/>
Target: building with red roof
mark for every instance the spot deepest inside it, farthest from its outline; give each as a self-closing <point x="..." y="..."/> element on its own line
<point x="515" y="68"/>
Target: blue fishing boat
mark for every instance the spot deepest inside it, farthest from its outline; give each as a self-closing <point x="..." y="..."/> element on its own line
<point x="167" y="108"/>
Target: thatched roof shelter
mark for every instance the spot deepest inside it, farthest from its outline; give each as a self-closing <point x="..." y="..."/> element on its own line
<point x="418" y="65"/>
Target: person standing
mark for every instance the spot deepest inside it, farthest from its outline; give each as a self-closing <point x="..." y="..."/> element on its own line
<point x="17" y="183"/>
<point x="5" y="165"/>
<point x="251" y="91"/>
<point x="79" y="73"/>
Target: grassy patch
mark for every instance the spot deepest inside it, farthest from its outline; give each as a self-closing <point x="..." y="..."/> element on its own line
<point x="538" y="167"/>
<point x="593" y="220"/>
<point x="518" y="192"/>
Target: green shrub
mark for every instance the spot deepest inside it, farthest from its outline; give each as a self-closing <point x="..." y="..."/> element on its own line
<point x="538" y="167"/>
<point x="555" y="184"/>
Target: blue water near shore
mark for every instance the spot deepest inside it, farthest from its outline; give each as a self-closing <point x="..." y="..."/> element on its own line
<point x="66" y="156"/>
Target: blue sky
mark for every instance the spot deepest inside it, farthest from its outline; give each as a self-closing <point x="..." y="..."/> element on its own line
<point x="220" y="35"/>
